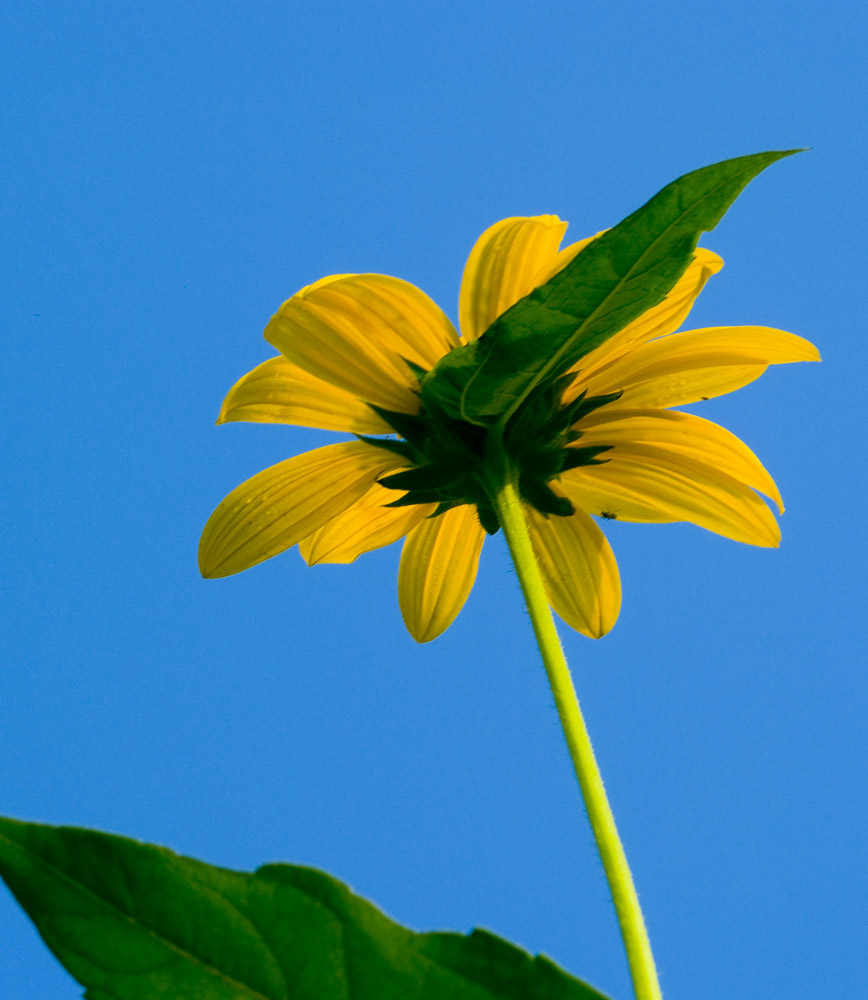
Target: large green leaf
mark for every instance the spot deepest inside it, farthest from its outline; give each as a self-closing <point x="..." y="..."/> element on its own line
<point x="611" y="282"/>
<point x="135" y="922"/>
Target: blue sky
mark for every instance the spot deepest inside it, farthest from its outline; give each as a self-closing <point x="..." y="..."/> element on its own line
<point x="170" y="175"/>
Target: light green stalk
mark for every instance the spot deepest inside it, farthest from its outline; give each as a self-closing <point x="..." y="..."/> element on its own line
<point x="632" y="924"/>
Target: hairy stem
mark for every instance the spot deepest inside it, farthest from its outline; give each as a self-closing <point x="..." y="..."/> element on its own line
<point x="633" y="932"/>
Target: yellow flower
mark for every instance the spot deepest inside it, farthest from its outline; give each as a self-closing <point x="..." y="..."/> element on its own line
<point x="353" y="348"/>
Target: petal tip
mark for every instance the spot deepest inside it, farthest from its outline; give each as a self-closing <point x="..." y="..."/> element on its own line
<point x="602" y="629"/>
<point x="420" y="631"/>
<point x="426" y="635"/>
<point x="605" y="622"/>
<point x="208" y="571"/>
<point x="212" y="565"/>
<point x="422" y="639"/>
<point x="774" y="540"/>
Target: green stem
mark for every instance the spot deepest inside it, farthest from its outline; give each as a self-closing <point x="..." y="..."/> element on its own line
<point x="635" y="937"/>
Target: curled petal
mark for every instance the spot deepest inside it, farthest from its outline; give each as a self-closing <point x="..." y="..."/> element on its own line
<point x="658" y="321"/>
<point x="579" y="571"/>
<point x="438" y="567"/>
<point x="358" y="331"/>
<point x="650" y="482"/>
<point x="502" y="268"/>
<point x="283" y="504"/>
<point x="365" y="526"/>
<point x="679" y="434"/>
<point x="697" y="364"/>
<point x="279" y="392"/>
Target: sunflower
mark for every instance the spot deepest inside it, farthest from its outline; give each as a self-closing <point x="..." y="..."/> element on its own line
<point x="602" y="440"/>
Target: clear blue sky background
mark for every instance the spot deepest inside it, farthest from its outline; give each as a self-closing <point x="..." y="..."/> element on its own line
<point x="172" y="172"/>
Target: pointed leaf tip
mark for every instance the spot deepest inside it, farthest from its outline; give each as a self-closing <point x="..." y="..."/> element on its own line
<point x="614" y="280"/>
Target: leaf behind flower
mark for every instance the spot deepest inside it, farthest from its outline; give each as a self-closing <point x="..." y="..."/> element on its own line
<point x="614" y="280"/>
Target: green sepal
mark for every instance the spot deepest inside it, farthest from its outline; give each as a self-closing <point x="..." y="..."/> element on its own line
<point x="484" y="512"/>
<point x="583" y="404"/>
<point x="543" y="498"/>
<point x="426" y="477"/>
<point x="573" y="458"/>
<point x="487" y="518"/>
<point x="417" y="370"/>
<point x="541" y="417"/>
<point x="134" y="922"/>
<point x="614" y="280"/>
<point x="421" y="496"/>
<point x="541" y="464"/>
<point x="389" y="444"/>
<point x="409" y="426"/>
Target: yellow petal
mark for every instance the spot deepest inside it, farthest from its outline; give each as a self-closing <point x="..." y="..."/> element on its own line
<point x="579" y="571"/>
<point x="279" y="392"/>
<point x="561" y="259"/>
<point x="438" y="567"/>
<point x="691" y="386"/>
<point x="356" y="330"/>
<point x="607" y="496"/>
<point x="680" y="434"/>
<point x="502" y="267"/>
<point x="697" y="364"/>
<point x="671" y="486"/>
<point x="283" y="504"/>
<point x="659" y="321"/>
<point x="365" y="526"/>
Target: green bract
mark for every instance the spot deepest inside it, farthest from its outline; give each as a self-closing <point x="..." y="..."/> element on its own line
<point x="456" y="462"/>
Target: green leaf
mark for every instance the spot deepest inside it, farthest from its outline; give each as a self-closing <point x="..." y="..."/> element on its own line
<point x="615" y="279"/>
<point x="135" y="922"/>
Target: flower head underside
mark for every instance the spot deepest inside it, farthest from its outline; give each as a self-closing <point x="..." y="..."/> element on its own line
<point x="601" y="439"/>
